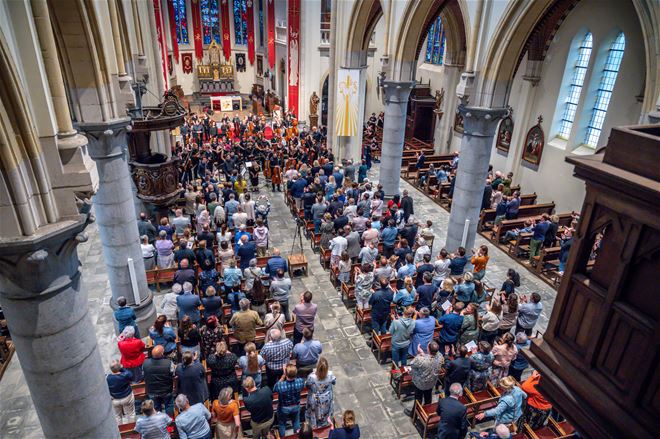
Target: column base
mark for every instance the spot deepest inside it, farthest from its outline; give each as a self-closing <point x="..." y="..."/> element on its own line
<point x="146" y="314"/>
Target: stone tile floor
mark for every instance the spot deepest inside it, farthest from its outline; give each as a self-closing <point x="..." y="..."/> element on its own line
<point x="362" y="383"/>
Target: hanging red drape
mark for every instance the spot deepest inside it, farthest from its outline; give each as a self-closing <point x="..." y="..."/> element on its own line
<point x="161" y="41"/>
<point x="294" y="55"/>
<point x="271" y="33"/>
<point x="175" y="43"/>
<point x="197" y="29"/>
<point x="250" y="30"/>
<point x="226" y="36"/>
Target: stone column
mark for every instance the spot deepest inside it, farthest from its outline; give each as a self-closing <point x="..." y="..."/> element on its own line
<point x="116" y="217"/>
<point x="480" y="125"/>
<point x="332" y="78"/>
<point x="445" y="126"/>
<point x="138" y="27"/>
<point x="47" y="314"/>
<point x="394" y="130"/>
<point x="116" y="37"/>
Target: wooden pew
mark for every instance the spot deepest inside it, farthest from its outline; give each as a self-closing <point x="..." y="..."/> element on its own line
<point x="548" y="256"/>
<point x="487" y="216"/>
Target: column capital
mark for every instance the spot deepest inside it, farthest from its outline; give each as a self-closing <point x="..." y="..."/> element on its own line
<point x="107" y="139"/>
<point x="480" y="121"/>
<point x="42" y="263"/>
<point x="397" y="92"/>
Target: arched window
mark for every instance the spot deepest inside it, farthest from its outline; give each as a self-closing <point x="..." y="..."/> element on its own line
<point x="210" y="21"/>
<point x="435" y="43"/>
<point x="575" y="89"/>
<point x="604" y="92"/>
<point x="240" y="22"/>
<point x="181" y="20"/>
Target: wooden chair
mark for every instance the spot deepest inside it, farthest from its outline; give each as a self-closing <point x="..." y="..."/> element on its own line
<point x="381" y="345"/>
<point x="362" y="317"/>
<point x="347" y="292"/>
<point x="400" y="380"/>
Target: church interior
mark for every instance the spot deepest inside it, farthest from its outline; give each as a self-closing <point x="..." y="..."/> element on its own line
<point x="329" y="219"/>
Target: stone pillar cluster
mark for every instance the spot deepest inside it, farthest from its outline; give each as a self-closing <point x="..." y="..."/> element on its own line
<point x="47" y="315"/>
<point x="480" y="125"/>
<point x="394" y="131"/>
<point x="115" y="214"/>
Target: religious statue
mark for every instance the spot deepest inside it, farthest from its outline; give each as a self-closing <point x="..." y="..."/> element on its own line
<point x="314" y="104"/>
<point x="439" y="100"/>
<point x="214" y="53"/>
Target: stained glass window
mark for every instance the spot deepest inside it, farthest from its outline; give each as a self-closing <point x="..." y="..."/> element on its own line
<point x="575" y="89"/>
<point x="261" y="23"/>
<point x="435" y="43"/>
<point x="181" y="20"/>
<point x="605" y="88"/>
<point x="240" y="22"/>
<point x="210" y="21"/>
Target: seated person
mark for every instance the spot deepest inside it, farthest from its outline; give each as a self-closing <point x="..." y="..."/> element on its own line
<point x="510" y="235"/>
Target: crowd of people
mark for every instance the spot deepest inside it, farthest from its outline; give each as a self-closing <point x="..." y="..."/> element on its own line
<point x="214" y="239"/>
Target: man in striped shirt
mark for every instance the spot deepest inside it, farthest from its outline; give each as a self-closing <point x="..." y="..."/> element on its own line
<point x="277" y="353"/>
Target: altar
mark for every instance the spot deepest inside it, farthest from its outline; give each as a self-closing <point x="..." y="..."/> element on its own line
<point x="215" y="77"/>
<point x="227" y="103"/>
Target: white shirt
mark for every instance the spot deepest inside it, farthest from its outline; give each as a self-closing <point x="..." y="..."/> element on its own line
<point x="441" y="269"/>
<point x="147" y="250"/>
<point x="338" y="245"/>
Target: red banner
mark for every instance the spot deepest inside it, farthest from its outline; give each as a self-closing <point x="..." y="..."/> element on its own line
<point x="226" y="36"/>
<point x="250" y="30"/>
<point x="175" y="43"/>
<point x="197" y="29"/>
<point x="271" y="33"/>
<point x="294" y="55"/>
<point x="161" y="41"/>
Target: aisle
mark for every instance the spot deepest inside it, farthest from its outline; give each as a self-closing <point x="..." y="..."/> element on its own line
<point x="362" y="383"/>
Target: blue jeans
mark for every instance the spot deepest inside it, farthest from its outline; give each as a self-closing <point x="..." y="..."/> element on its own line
<point x="379" y="327"/>
<point x="163" y="401"/>
<point x="400" y="356"/>
<point x="562" y="266"/>
<point x="288" y="413"/>
<point x="317" y="226"/>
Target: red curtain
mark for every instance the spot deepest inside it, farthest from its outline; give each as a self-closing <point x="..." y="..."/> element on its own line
<point x="271" y="33"/>
<point x="197" y="29"/>
<point x="175" y="43"/>
<point x="294" y="55"/>
<point x="161" y="41"/>
<point x="250" y="30"/>
<point x="226" y="36"/>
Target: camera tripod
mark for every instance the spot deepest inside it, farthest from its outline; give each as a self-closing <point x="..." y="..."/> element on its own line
<point x="297" y="234"/>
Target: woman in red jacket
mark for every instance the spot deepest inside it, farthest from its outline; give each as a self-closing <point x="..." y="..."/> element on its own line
<point x="132" y="353"/>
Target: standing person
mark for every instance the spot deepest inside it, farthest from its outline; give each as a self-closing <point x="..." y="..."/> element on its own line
<point x="274" y="320"/>
<point x="423" y="331"/>
<point x="119" y="383"/>
<point x="132" y="353"/>
<point x="509" y="313"/>
<point x="450" y="326"/>
<point x="457" y="370"/>
<point x="125" y="316"/>
<point x="188" y="304"/>
<point x="193" y="420"/>
<point x="153" y="423"/>
<point x="364" y="279"/>
<point x="490" y="322"/>
<point x="424" y="371"/>
<point x="163" y="335"/>
<point x="338" y="245"/>
<point x="259" y="403"/>
<point x="470" y="327"/>
<point x="481" y="363"/>
<point x="504" y="352"/>
<point x="441" y="268"/>
<point x="288" y="388"/>
<point x="245" y="323"/>
<point x="277" y="354"/>
<point x="453" y="414"/>
<point x="426" y="292"/>
<point x="189" y="337"/>
<point x="251" y="364"/>
<point x="212" y="303"/>
<point x="320" y="397"/>
<point x="538" y="408"/>
<point x="307" y="353"/>
<point x="458" y="262"/>
<point x="349" y="429"/>
<point x="305" y="313"/>
<point x="164" y="248"/>
<point x="261" y="235"/>
<point x="158" y="380"/>
<point x="528" y="313"/>
<point x="565" y="243"/>
<point x="280" y="290"/>
<point x="520" y="363"/>
<point x="223" y="369"/>
<point x="479" y="261"/>
<point x="226" y="412"/>
<point x="148" y="253"/>
<point x="192" y="379"/>
<point x="402" y="330"/>
<point x="388" y="235"/>
<point x="407" y="206"/>
<point x="380" y="303"/>
<point x="539" y="231"/>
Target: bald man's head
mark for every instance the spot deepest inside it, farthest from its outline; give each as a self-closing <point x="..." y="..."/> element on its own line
<point x="157" y="351"/>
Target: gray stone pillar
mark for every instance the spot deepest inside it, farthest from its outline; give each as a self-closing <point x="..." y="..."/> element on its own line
<point x="394" y="131"/>
<point x="479" y="129"/>
<point x="116" y="217"/>
<point x="47" y="314"/>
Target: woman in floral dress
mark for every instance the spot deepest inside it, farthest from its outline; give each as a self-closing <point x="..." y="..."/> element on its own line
<point x="320" y="397"/>
<point x="481" y="365"/>
<point x="211" y="335"/>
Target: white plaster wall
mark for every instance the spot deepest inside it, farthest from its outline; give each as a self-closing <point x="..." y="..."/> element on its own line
<point x="373" y="104"/>
<point x="604" y="18"/>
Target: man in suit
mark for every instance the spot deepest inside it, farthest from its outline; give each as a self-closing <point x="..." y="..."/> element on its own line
<point x="247" y="250"/>
<point x="407" y="206"/>
<point x="458" y="370"/>
<point x="453" y="415"/>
